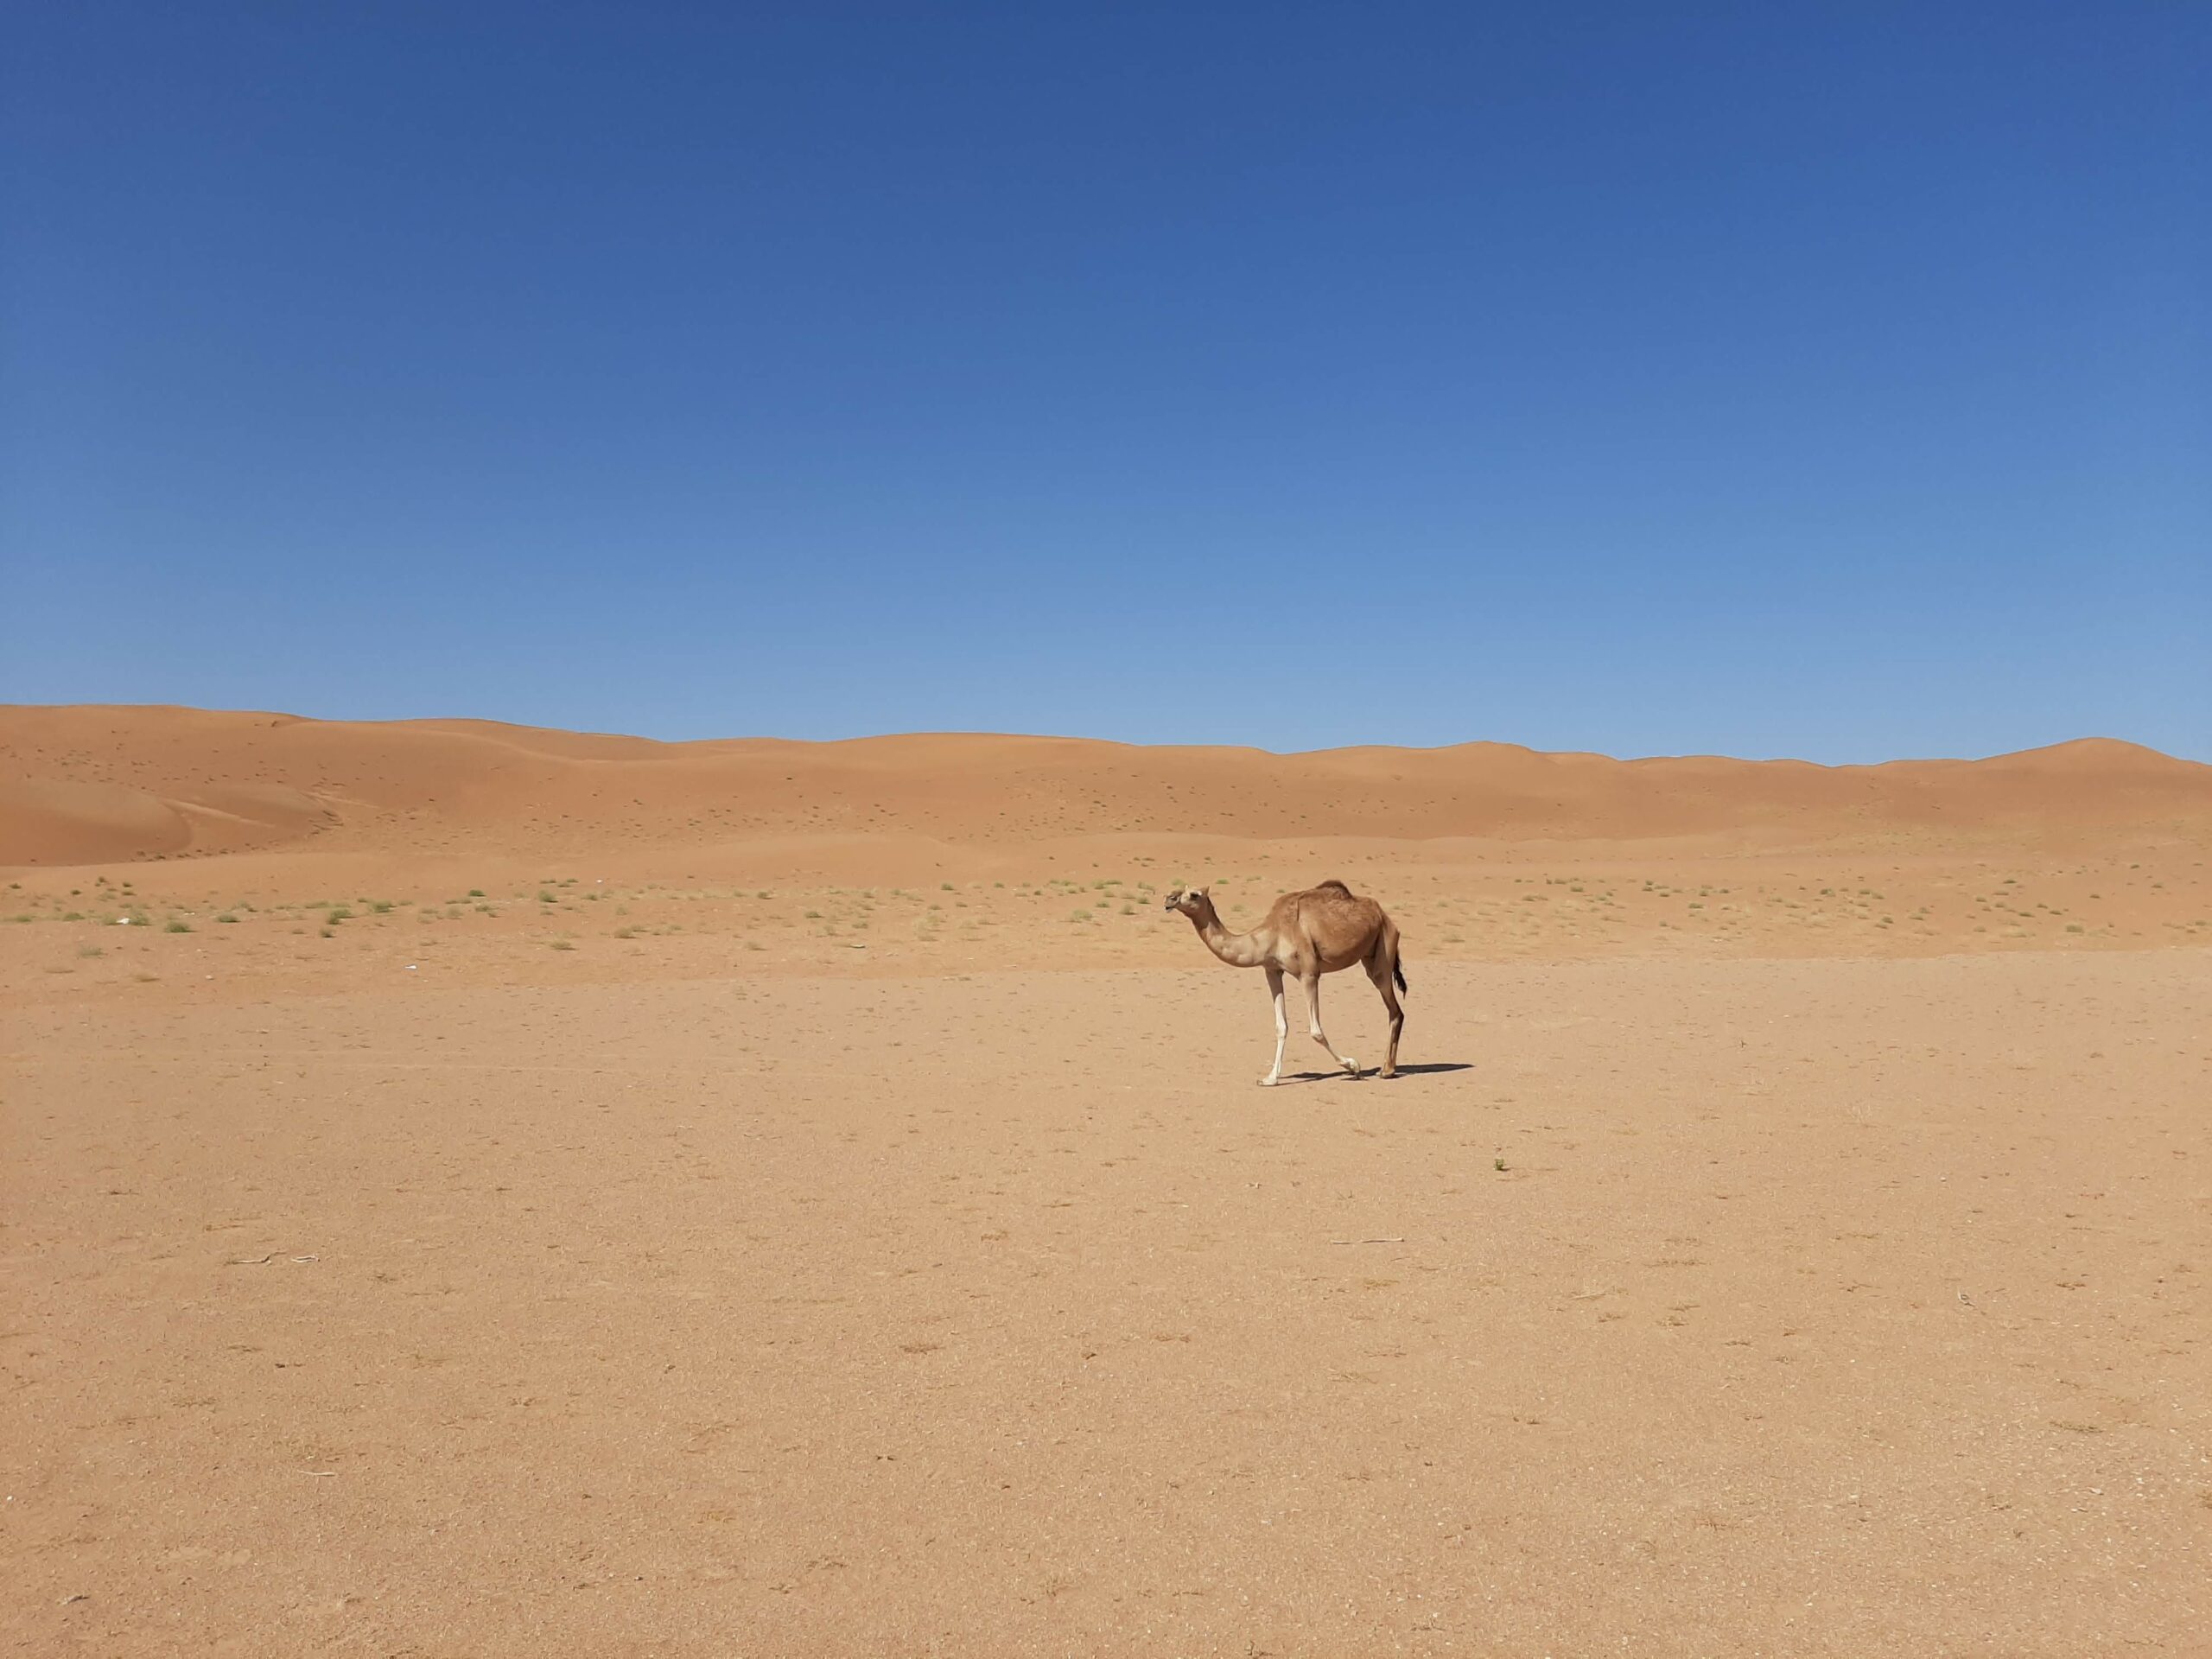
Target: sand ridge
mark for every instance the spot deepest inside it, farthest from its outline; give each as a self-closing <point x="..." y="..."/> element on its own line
<point x="94" y="785"/>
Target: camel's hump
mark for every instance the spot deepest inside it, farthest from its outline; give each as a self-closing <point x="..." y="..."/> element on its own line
<point x="1333" y="886"/>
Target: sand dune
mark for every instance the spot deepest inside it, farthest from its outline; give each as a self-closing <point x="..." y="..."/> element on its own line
<point x="496" y="1191"/>
<point x="94" y="785"/>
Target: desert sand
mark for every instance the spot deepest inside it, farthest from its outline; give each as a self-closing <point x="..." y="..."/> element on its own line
<point x="474" y="1191"/>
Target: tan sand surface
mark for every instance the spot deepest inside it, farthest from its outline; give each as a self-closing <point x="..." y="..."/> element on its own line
<point x="511" y="1193"/>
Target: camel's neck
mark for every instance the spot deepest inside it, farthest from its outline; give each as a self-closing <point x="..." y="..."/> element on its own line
<point x="1237" y="950"/>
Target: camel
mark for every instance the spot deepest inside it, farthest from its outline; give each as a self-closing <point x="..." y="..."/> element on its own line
<point x="1309" y="934"/>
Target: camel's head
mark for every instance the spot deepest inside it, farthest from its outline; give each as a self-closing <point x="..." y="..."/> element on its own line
<point x="1191" y="902"/>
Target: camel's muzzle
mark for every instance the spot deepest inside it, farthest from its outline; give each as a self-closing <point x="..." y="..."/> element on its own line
<point x="1173" y="899"/>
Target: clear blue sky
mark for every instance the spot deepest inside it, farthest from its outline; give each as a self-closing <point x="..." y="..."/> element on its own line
<point x="1832" y="381"/>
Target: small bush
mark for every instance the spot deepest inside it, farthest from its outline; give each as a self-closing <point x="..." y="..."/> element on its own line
<point x="178" y="927"/>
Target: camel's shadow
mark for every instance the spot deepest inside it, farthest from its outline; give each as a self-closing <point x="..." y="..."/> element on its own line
<point x="1367" y="1073"/>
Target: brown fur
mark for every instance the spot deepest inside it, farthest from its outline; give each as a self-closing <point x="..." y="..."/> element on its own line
<point x="1309" y="933"/>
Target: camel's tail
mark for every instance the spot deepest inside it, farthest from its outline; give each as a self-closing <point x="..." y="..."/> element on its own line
<point x="1385" y="949"/>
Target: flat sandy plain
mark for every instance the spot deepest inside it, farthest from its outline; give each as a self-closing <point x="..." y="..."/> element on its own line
<point x="517" y="1192"/>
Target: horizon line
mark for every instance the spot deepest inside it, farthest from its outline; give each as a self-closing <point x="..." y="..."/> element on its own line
<point x="1064" y="737"/>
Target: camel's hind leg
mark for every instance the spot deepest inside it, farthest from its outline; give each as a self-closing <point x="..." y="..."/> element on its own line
<point x="1312" y="984"/>
<point x="1282" y="1026"/>
<point x="1380" y="967"/>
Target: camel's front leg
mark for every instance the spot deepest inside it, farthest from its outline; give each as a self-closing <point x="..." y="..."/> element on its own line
<point x="1282" y="1025"/>
<point x="1312" y="983"/>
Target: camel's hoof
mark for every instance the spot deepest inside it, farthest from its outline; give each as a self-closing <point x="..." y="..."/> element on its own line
<point x="1269" y="1083"/>
<point x="1387" y="1071"/>
<point x="1351" y="1068"/>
